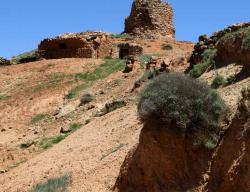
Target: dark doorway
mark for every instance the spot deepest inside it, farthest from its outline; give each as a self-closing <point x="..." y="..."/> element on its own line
<point x="62" y="46"/>
<point x="123" y="53"/>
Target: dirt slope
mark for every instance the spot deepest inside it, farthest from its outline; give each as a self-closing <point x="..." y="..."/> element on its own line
<point x="93" y="154"/>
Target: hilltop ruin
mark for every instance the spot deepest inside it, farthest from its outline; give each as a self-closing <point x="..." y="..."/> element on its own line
<point x="76" y="45"/>
<point x="150" y="19"/>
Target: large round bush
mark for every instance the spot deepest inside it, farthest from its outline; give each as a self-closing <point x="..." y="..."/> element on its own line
<point x="183" y="104"/>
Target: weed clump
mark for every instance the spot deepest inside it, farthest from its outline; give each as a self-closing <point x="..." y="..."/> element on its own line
<point x="207" y="61"/>
<point x="167" y="47"/>
<point x="183" y="104"/>
<point x="218" y="81"/>
<point x="53" y="185"/>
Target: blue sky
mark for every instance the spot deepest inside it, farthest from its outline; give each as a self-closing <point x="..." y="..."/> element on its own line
<point x="23" y="23"/>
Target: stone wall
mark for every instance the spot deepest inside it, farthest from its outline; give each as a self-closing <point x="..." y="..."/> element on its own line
<point x="129" y="49"/>
<point x="150" y="19"/>
<point x="81" y="45"/>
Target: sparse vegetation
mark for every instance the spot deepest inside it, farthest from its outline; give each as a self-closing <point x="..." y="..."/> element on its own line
<point x="218" y="81"/>
<point x="167" y="47"/>
<point x="4" y="97"/>
<point x="122" y="35"/>
<point x="39" y="117"/>
<point x="102" y="71"/>
<point x="53" y="185"/>
<point x="51" y="81"/>
<point x="207" y="61"/>
<point x="48" y="142"/>
<point x="112" y="151"/>
<point x="184" y="104"/>
<point x="30" y="55"/>
<point x="243" y="33"/>
<point x="75" y="126"/>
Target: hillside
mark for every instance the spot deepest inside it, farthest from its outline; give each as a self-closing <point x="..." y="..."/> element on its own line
<point x="34" y="107"/>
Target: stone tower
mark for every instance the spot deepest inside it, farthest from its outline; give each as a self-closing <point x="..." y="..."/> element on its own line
<point x="150" y="19"/>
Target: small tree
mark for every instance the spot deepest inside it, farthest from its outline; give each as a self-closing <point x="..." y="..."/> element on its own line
<point x="184" y="104"/>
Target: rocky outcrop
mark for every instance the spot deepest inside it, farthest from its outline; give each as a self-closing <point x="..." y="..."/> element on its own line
<point x="150" y="19"/>
<point x="228" y="42"/>
<point x="164" y="161"/>
<point x="4" y="61"/>
<point x="230" y="169"/>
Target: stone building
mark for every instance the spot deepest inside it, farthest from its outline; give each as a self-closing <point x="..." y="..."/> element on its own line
<point x="129" y="49"/>
<point x="150" y="19"/>
<point x="76" y="45"/>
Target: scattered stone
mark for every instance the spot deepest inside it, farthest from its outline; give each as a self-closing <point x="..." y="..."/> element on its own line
<point x="111" y="106"/>
<point x="65" y="130"/>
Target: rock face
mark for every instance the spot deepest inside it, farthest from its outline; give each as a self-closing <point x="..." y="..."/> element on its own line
<point x="228" y="42"/>
<point x="150" y="19"/>
<point x="164" y="161"/>
<point x="230" y="169"/>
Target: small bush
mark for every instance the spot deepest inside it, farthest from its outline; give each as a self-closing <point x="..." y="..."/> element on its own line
<point x="183" y="104"/>
<point x="53" y="185"/>
<point x="167" y="47"/>
<point x="218" y="81"/>
<point x="86" y="98"/>
<point x="207" y="60"/>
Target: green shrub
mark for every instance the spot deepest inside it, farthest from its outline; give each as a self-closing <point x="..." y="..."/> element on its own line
<point x="230" y="80"/>
<point x="182" y="104"/>
<point x="53" y="185"/>
<point x="86" y="98"/>
<point x="39" y="117"/>
<point x="207" y="61"/>
<point x="167" y="47"/>
<point x="246" y="41"/>
<point x="218" y="81"/>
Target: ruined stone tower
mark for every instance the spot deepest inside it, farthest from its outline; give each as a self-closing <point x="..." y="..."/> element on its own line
<point x="150" y="19"/>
